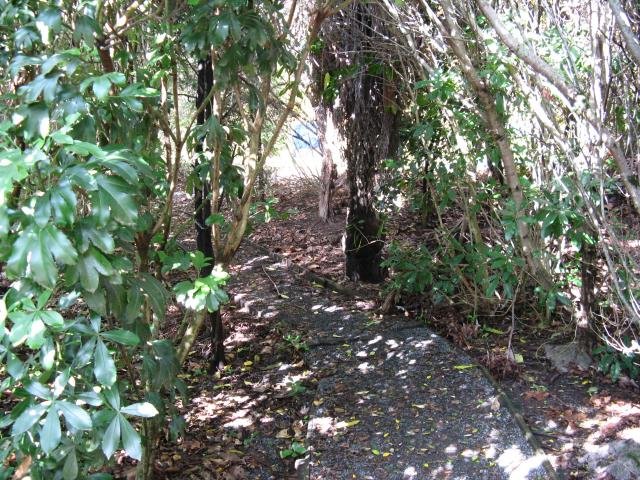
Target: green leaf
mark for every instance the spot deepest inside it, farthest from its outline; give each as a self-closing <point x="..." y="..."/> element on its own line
<point x="130" y="439"/>
<point x="27" y="327"/>
<point x="90" y="267"/>
<point x="70" y="469"/>
<point x="115" y="193"/>
<point x="50" y="434"/>
<point x="156" y="294"/>
<point x="463" y="367"/>
<point x="38" y="390"/>
<point x="33" y="254"/>
<point x="59" y="245"/>
<point x="85" y="354"/>
<point x="142" y="409"/>
<point x="111" y="438"/>
<point x="98" y="237"/>
<point x="47" y="354"/>
<point x="14" y="169"/>
<point x="46" y="85"/>
<point x="124" y="337"/>
<point x="101" y="87"/>
<point x="84" y="29"/>
<point x="28" y="418"/>
<point x="15" y="367"/>
<point x="37" y="121"/>
<point x="104" y="368"/>
<point x="51" y="318"/>
<point x="75" y="416"/>
<point x="3" y="317"/>
<point x="63" y="202"/>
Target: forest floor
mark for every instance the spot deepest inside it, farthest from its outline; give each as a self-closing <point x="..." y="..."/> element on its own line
<point x="588" y="425"/>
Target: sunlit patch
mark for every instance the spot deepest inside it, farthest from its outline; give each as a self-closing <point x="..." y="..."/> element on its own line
<point x="240" y="419"/>
<point x="517" y="465"/>
<point x="451" y="449"/>
<point x="322" y="425"/>
<point x="391" y="343"/>
<point x="409" y="473"/>
<point x="423" y="343"/>
<point x="490" y="452"/>
<point x="375" y="340"/>
<point x="365" y="367"/>
<point x="630" y="434"/>
<point x="362" y="354"/>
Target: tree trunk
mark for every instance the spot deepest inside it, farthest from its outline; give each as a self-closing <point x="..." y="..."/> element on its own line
<point x="329" y="172"/>
<point x="204" y="241"/>
<point x="202" y="209"/>
<point x="496" y="128"/>
<point x="367" y="118"/>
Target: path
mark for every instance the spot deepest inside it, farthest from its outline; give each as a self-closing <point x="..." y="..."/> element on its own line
<point x="393" y="400"/>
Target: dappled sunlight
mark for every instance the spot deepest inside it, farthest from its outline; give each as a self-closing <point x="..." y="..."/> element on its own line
<point x="517" y="465"/>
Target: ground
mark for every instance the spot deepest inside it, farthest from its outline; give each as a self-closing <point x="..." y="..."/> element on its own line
<point x="580" y="418"/>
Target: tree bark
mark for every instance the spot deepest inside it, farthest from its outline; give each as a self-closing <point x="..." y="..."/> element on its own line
<point x="204" y="240"/>
<point x="329" y="172"/>
<point x="202" y="209"/>
<point x="367" y="118"/>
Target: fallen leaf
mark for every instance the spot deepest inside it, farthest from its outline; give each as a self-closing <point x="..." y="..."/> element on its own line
<point x="535" y="395"/>
<point x="463" y="367"/>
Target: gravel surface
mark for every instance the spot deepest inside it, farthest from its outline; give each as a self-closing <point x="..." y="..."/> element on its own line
<point x="393" y="400"/>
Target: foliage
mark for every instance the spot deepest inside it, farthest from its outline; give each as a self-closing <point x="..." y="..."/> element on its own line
<point x="614" y="363"/>
<point x="297" y="449"/>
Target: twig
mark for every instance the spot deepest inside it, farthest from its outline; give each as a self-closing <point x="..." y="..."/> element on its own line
<point x="273" y="283"/>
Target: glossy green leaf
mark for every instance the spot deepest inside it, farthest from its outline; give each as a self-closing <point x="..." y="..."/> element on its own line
<point x="117" y="195"/>
<point x="28" y="418"/>
<point x="33" y="254"/>
<point x="111" y="438"/>
<point x="142" y="409"/>
<point x="130" y="439"/>
<point x="50" y="434"/>
<point x="51" y="318"/>
<point x="155" y="293"/>
<point x="124" y="337"/>
<point x="48" y="354"/>
<point x="70" y="468"/>
<point x="90" y="266"/>
<point x="84" y="29"/>
<point x="37" y="121"/>
<point x="104" y="367"/>
<point x="85" y="353"/>
<point x="75" y="416"/>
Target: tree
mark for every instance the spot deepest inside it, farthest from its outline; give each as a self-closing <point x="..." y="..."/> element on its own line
<point x="86" y="202"/>
<point x="367" y="117"/>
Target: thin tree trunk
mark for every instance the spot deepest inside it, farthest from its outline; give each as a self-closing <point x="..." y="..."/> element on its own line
<point x="367" y="118"/>
<point x="202" y="210"/>
<point x="497" y="130"/>
<point x="568" y="94"/>
<point x="328" y="173"/>
<point x="204" y="239"/>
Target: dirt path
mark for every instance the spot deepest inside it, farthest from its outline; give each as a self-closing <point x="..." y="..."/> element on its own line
<point x="391" y="399"/>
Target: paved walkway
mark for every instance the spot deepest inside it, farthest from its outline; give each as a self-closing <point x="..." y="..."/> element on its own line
<point x="393" y="399"/>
